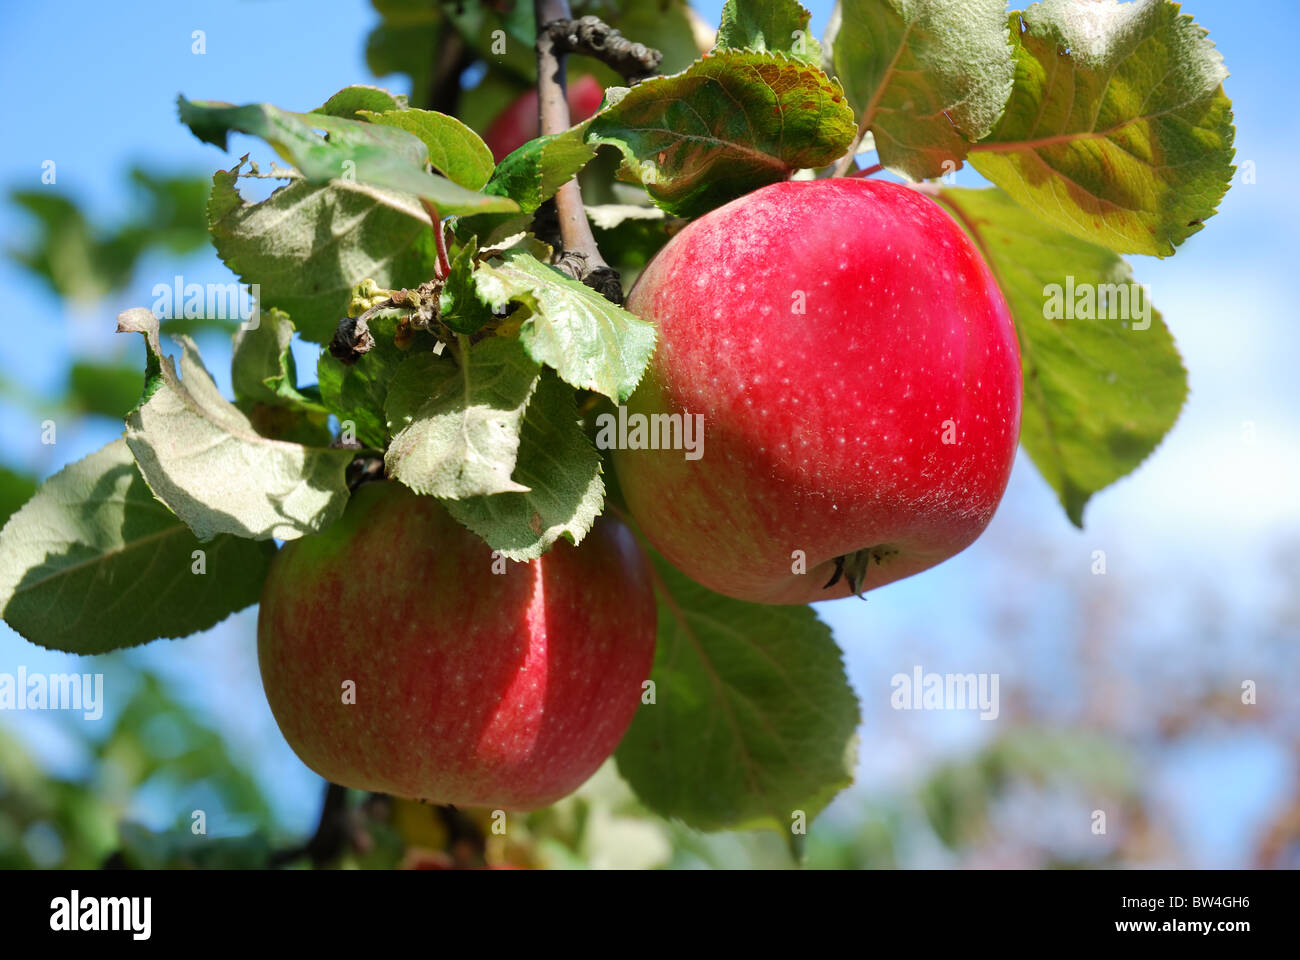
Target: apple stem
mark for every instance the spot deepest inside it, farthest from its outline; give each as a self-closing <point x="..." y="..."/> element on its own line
<point x="579" y="256"/>
<point x="842" y="165"/>
<point x="869" y="171"/>
<point x="439" y="238"/>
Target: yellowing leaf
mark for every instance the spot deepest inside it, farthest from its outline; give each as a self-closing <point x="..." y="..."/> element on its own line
<point x="1118" y="129"/>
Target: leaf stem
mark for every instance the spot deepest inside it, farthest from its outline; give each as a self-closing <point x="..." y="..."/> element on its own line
<point x="439" y="239"/>
<point x="869" y="171"/>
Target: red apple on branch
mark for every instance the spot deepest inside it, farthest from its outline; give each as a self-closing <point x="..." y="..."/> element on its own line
<point x="395" y="659"/>
<point x="859" y="380"/>
<point x="518" y="123"/>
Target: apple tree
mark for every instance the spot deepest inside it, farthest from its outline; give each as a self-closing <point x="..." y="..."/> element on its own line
<point x="527" y="513"/>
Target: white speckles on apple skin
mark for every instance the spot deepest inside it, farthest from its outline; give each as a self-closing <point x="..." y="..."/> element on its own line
<point x="503" y="691"/>
<point x="903" y="328"/>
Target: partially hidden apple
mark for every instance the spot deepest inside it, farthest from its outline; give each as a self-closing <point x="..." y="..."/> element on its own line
<point x="855" y="370"/>
<point x="518" y="122"/>
<point x="396" y="660"/>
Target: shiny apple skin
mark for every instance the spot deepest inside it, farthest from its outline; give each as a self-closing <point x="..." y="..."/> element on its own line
<point x="518" y="122"/>
<point x="824" y="429"/>
<point x="502" y="690"/>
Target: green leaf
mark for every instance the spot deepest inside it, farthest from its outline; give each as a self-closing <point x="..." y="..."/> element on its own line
<point x="728" y="124"/>
<point x="456" y="424"/>
<point x="1118" y="130"/>
<point x="192" y="326"/>
<point x="492" y="95"/>
<point x="664" y="26"/>
<point x="262" y="368"/>
<point x="610" y="216"/>
<point x="753" y="718"/>
<point x="107" y="389"/>
<point x="591" y="343"/>
<point x="478" y="25"/>
<point x="68" y="254"/>
<point x="350" y="101"/>
<point x="561" y="471"/>
<point x="357" y="394"/>
<point x="307" y="245"/>
<point x="532" y="174"/>
<point x="93" y="563"/>
<point x="366" y="153"/>
<point x="144" y="849"/>
<point x="167" y="212"/>
<point x="86" y="262"/>
<point x="265" y="378"/>
<point x="1099" y="393"/>
<point x="459" y="306"/>
<point x="403" y="41"/>
<point x="776" y="26"/>
<point x="15" y="490"/>
<point x="454" y="149"/>
<point x="927" y="77"/>
<point x="629" y="235"/>
<point x="203" y="755"/>
<point x="203" y="458"/>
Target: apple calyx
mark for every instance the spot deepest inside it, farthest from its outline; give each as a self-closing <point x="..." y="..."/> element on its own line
<point x="852" y="567"/>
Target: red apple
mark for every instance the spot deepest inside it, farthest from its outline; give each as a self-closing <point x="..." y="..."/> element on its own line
<point x="858" y="376"/>
<point x="475" y="688"/>
<point x="518" y="123"/>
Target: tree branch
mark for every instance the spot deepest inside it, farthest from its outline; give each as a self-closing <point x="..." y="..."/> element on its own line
<point x="331" y="837"/>
<point x="579" y="255"/>
<point x="465" y="841"/>
<point x="593" y="37"/>
<point x="451" y="59"/>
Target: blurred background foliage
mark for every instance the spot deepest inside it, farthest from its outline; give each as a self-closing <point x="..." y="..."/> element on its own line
<point x="1125" y="703"/>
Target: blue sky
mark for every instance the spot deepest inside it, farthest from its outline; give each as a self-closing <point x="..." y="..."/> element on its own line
<point x="93" y="87"/>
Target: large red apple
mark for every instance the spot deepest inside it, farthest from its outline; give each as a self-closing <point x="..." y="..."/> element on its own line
<point x="858" y="376"/>
<point x="503" y="690"/>
<point x="518" y="122"/>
